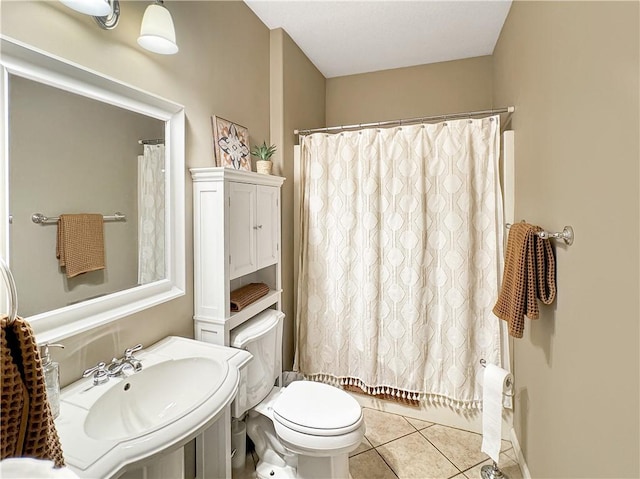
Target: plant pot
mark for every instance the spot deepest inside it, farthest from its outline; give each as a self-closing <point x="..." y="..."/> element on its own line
<point x="264" y="167"/>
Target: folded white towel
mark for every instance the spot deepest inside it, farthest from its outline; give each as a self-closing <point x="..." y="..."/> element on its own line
<point x="21" y="467"/>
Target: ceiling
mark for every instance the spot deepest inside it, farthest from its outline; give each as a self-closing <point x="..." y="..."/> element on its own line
<point x="348" y="37"/>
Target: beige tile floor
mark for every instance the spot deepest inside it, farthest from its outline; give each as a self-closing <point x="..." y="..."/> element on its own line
<point x="403" y="447"/>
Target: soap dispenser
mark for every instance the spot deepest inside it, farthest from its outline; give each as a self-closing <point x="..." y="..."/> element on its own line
<point x="51" y="372"/>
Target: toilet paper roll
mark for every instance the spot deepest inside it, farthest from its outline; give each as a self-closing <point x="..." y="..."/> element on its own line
<point x="495" y="385"/>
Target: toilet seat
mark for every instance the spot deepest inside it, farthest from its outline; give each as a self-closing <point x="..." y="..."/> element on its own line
<point x="308" y="407"/>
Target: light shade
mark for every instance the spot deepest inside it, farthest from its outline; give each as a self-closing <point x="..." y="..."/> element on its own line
<point x="156" y="32"/>
<point x="97" y="8"/>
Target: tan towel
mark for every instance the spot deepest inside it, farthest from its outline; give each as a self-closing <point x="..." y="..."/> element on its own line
<point x="246" y="295"/>
<point x="27" y="427"/>
<point x="80" y="245"/>
<point x="529" y="273"/>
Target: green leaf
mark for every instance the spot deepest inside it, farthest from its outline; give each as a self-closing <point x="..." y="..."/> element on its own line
<point x="263" y="151"/>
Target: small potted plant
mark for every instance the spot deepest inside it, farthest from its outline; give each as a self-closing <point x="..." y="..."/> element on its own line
<point x="263" y="153"/>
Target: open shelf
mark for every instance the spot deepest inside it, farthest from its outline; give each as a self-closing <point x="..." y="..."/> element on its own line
<point x="238" y="317"/>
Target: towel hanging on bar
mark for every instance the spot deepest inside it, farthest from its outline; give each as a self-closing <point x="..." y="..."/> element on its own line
<point x="80" y="245"/>
<point x="529" y="275"/>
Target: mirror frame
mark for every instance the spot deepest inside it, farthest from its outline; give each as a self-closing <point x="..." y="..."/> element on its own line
<point x="23" y="60"/>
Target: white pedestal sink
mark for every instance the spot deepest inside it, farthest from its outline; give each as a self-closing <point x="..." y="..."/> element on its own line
<point x="184" y="390"/>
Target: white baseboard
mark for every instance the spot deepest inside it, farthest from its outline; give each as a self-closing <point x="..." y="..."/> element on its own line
<point x="466" y="420"/>
<point x="519" y="455"/>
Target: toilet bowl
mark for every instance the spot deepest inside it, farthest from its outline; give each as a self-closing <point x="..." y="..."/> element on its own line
<point x="305" y="430"/>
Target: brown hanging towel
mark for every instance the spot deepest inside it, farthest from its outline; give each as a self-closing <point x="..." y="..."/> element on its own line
<point x="27" y="427"/>
<point x="80" y="246"/>
<point x="529" y="275"/>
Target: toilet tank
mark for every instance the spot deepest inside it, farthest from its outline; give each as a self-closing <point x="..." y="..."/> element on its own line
<point x="262" y="337"/>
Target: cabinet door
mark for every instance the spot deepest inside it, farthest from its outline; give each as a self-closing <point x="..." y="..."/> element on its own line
<point x="242" y="222"/>
<point x="267" y="225"/>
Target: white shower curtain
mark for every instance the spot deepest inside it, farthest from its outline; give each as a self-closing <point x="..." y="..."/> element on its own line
<point x="401" y="242"/>
<point x="151" y="214"/>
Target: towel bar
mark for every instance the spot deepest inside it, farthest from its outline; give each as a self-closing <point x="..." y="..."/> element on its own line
<point x="566" y="234"/>
<point x="41" y="219"/>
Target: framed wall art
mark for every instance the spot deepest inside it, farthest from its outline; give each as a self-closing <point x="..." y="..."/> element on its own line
<point x="230" y="144"/>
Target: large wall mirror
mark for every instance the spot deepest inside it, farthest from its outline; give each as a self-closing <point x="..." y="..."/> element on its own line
<point x="71" y="145"/>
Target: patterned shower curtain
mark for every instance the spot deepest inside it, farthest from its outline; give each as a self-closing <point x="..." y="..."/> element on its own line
<point x="401" y="247"/>
<point x="151" y="181"/>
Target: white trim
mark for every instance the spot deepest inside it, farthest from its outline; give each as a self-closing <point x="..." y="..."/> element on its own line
<point x="508" y="201"/>
<point x="220" y="174"/>
<point x="519" y="455"/>
<point x="25" y="61"/>
<point x="4" y="176"/>
<point x="508" y="175"/>
<point x="467" y="420"/>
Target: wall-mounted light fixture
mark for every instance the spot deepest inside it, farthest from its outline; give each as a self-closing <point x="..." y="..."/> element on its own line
<point x="157" y="33"/>
<point x="106" y="13"/>
<point x="110" y="20"/>
<point x="97" y="8"/>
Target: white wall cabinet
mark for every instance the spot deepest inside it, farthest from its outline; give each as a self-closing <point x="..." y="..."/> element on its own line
<point x="236" y="242"/>
<point x="253" y="211"/>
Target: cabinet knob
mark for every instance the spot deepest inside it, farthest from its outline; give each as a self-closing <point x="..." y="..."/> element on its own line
<point x="259" y="227"/>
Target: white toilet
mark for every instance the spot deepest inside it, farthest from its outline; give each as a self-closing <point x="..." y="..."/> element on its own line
<point x="305" y="430"/>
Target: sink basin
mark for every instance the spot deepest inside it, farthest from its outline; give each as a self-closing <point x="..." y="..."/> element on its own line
<point x="153" y="397"/>
<point x="184" y="390"/>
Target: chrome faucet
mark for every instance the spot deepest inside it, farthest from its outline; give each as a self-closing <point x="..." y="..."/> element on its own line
<point x="100" y="374"/>
<point x="126" y="366"/>
<point x="131" y="359"/>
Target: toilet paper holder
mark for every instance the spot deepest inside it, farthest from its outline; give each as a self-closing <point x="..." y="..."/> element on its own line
<point x="493" y="471"/>
<point x="508" y="382"/>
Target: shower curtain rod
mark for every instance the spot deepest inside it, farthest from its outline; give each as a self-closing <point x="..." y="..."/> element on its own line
<point x="451" y="116"/>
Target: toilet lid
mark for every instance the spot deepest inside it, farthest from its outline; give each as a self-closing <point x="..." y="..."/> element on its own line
<point x="315" y="408"/>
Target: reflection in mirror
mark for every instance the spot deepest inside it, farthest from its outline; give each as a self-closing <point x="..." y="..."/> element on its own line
<point x="70" y="145"/>
<point x="71" y="154"/>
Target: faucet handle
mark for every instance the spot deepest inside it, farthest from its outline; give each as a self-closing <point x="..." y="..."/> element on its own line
<point x="128" y="353"/>
<point x="99" y="372"/>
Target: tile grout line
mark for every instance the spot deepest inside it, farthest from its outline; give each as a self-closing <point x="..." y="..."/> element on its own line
<point x="399" y="437"/>
<point x="442" y="453"/>
<point x="416" y="430"/>
<point x="391" y="440"/>
<point x="385" y="461"/>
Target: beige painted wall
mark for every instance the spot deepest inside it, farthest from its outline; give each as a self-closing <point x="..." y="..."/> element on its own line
<point x="298" y="101"/>
<point x="447" y="87"/>
<point x="217" y="71"/>
<point x="571" y="69"/>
